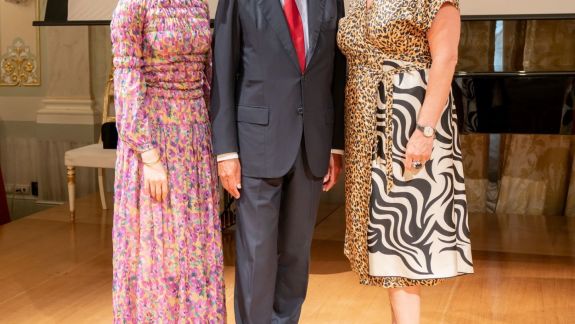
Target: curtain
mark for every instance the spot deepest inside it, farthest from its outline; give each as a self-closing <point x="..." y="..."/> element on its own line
<point x="549" y="45"/>
<point x="476" y="46"/>
<point x="536" y="174"/>
<point x="475" y="164"/>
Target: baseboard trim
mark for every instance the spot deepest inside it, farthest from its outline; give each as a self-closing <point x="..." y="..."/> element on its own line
<point x="67" y="112"/>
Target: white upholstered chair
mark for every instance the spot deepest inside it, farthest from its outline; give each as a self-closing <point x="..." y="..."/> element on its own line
<point x="92" y="156"/>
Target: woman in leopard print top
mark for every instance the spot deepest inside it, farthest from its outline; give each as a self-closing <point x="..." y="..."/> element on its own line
<point x="405" y="195"/>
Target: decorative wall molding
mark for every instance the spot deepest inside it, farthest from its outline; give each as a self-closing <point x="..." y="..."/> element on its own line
<point x="19" y="66"/>
<point x="66" y="111"/>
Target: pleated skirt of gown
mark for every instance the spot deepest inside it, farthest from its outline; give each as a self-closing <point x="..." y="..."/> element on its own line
<point x="168" y="261"/>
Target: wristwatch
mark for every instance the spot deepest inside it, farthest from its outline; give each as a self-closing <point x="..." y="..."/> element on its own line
<point x="427" y="131"/>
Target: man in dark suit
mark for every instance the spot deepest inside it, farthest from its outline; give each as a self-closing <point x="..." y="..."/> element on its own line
<point x="277" y="118"/>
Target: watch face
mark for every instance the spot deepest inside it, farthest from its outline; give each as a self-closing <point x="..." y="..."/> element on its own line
<point x="428" y="131"/>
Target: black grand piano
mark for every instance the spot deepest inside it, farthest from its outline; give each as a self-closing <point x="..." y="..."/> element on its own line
<point x="515" y="95"/>
<point x="516" y="75"/>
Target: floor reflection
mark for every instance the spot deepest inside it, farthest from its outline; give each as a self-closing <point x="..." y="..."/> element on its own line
<point x="56" y="272"/>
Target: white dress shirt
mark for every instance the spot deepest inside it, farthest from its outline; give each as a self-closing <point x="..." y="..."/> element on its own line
<point x="302" y="7"/>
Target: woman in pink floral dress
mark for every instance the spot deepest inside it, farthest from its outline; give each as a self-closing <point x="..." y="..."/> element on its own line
<point x="168" y="260"/>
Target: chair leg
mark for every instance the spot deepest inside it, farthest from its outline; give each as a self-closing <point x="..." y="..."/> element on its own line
<point x="102" y="187"/>
<point x="72" y="192"/>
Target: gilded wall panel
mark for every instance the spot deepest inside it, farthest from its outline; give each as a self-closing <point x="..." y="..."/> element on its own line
<point x="19" y="44"/>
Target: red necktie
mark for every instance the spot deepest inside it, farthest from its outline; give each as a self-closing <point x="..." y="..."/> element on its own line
<point x="296" y="30"/>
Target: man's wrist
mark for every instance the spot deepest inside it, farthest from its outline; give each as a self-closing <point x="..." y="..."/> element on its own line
<point x="337" y="151"/>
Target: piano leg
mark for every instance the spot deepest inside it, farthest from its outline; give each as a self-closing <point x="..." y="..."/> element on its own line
<point x="493" y="173"/>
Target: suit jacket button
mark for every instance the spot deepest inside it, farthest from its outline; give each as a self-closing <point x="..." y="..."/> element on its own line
<point x="300" y="110"/>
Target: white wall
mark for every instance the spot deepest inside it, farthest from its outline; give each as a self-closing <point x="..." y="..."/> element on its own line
<point x="516" y="7"/>
<point x="102" y="9"/>
<point x="213" y="6"/>
<point x="90" y="9"/>
<point x="13" y="15"/>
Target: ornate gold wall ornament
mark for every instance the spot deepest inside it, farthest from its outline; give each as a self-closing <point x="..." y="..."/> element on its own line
<point x="19" y="66"/>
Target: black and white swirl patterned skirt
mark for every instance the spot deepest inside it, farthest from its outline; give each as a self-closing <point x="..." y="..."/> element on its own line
<point x="419" y="230"/>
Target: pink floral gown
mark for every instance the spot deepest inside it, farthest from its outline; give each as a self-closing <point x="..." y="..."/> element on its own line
<point x="168" y="260"/>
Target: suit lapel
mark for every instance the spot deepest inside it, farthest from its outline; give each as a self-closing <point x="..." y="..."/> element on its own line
<point x="274" y="13"/>
<point x="315" y="15"/>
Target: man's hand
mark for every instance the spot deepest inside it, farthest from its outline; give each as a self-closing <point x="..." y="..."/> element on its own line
<point x="335" y="166"/>
<point x="230" y="175"/>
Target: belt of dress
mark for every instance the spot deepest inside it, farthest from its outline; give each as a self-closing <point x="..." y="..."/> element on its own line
<point x="385" y="76"/>
<point x="197" y="89"/>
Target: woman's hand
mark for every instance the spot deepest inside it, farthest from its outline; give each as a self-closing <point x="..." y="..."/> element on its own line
<point x="419" y="149"/>
<point x="155" y="176"/>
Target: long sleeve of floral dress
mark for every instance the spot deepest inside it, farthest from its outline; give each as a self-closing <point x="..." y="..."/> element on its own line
<point x="129" y="84"/>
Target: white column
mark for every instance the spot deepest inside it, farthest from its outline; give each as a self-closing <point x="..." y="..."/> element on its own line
<point x="67" y="118"/>
<point x="68" y="97"/>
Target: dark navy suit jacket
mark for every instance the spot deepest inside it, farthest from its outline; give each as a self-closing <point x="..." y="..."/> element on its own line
<point x="262" y="104"/>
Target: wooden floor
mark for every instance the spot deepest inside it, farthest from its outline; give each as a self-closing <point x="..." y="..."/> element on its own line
<point x="52" y="271"/>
